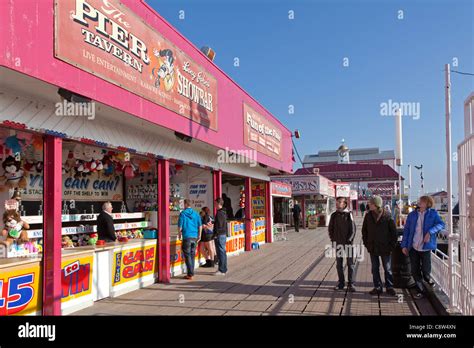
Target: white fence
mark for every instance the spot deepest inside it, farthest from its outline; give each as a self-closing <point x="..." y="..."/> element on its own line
<point x="463" y="270"/>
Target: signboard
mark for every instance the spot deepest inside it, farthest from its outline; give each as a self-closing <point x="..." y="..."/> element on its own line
<point x="302" y="185"/>
<point x="76" y="277"/>
<point x="384" y="190"/>
<point x="348" y="175"/>
<point x="142" y="191"/>
<point x="94" y="187"/>
<point x="280" y="189"/>
<point x="343" y="190"/>
<point x="110" y="41"/>
<point x="132" y="264"/>
<point x="20" y="290"/>
<point x="260" y="134"/>
<point x="258" y="200"/>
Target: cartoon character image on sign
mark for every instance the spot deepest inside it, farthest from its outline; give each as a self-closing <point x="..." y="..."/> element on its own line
<point x="164" y="72"/>
<point x="13" y="173"/>
<point x="15" y="228"/>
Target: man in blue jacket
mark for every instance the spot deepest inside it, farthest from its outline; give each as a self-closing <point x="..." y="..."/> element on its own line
<point x="419" y="238"/>
<point x="190" y="228"/>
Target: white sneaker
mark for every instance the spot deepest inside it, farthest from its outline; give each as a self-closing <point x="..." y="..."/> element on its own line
<point x="219" y="273"/>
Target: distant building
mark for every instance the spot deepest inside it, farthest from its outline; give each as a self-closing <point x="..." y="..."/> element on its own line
<point x="367" y="179"/>
<point x="370" y="155"/>
<point x="369" y="171"/>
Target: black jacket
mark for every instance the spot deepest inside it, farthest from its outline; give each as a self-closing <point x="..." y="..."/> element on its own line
<point x="342" y="228"/>
<point x="296" y="210"/>
<point x="105" y="227"/>
<point x="380" y="237"/>
<point x="220" y="222"/>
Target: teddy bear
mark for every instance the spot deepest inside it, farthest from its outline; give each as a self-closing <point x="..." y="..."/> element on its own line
<point x="15" y="228"/>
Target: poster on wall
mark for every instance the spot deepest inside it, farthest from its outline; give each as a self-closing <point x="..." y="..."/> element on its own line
<point x="76" y="278"/>
<point x="88" y="173"/>
<point x="92" y="188"/>
<point x="198" y="194"/>
<point x="107" y="39"/>
<point x="260" y="134"/>
<point x="258" y="200"/>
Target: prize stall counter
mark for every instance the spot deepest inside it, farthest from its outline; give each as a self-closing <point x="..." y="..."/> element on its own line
<point x="89" y="272"/>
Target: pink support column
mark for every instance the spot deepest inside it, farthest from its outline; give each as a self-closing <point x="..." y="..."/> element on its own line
<point x="52" y="196"/>
<point x="217" y="186"/>
<point x="164" y="271"/>
<point x="248" y="214"/>
<point x="303" y="213"/>
<point x="268" y="213"/>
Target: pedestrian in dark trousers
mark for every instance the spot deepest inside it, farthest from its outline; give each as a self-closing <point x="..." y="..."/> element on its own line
<point x="342" y="230"/>
<point x="379" y="235"/>
<point x="296" y="210"/>
<point x="220" y="233"/>
<point x="419" y="238"/>
<point x="190" y="228"/>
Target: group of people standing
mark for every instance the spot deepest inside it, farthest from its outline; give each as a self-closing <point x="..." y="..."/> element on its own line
<point x="379" y="236"/>
<point x="210" y="232"/>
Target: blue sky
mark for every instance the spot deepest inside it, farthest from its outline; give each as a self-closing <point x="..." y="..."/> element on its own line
<point x="300" y="62"/>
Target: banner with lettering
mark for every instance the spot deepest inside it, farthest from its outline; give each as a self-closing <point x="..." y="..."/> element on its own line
<point x="76" y="277"/>
<point x="260" y="134"/>
<point x="132" y="264"/>
<point x="258" y="200"/>
<point x="95" y="187"/>
<point x="107" y="39"/>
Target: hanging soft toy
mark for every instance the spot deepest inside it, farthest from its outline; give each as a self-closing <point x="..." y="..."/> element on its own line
<point x="97" y="157"/>
<point x="13" y="173"/>
<point x="15" y="228"/>
<point x="13" y="143"/>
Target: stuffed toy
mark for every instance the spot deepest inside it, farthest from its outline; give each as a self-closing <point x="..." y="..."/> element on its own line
<point x="13" y="173"/>
<point x="15" y="228"/>
<point x="93" y="237"/>
<point x="67" y="242"/>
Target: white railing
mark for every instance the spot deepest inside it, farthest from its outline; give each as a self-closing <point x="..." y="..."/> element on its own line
<point x="462" y="293"/>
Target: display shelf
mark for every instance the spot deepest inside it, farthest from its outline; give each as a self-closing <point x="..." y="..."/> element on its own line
<point x="83" y="217"/>
<point x="38" y="233"/>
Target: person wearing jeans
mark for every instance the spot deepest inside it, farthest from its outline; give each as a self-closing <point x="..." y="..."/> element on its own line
<point x="342" y="230"/>
<point x="190" y="229"/>
<point x="379" y="235"/>
<point x="419" y="238"/>
<point x="220" y="233"/>
<point x="189" y="251"/>
<point x="387" y="267"/>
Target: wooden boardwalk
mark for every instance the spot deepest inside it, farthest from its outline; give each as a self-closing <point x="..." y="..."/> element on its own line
<point x="291" y="277"/>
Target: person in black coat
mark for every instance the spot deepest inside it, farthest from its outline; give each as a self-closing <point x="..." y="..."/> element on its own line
<point x="105" y="224"/>
<point x="379" y="235"/>
<point x="220" y="233"/>
<point x="342" y="230"/>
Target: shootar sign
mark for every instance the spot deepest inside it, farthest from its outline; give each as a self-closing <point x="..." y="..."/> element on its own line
<point x="108" y="40"/>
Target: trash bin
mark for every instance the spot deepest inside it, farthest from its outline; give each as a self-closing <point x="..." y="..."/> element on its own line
<point x="401" y="269"/>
